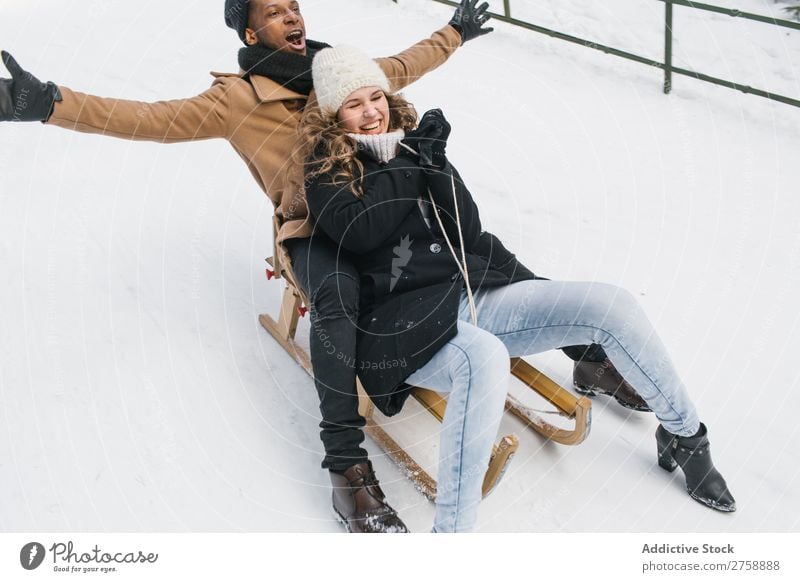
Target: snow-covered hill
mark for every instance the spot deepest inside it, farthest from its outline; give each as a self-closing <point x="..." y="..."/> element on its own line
<point x="139" y="393"/>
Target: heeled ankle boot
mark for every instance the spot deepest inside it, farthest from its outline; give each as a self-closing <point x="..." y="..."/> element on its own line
<point x="703" y="482"/>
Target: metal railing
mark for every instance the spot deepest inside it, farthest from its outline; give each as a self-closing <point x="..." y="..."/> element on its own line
<point x="667" y="66"/>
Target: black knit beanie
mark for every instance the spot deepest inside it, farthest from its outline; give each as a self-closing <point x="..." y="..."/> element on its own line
<point x="236" y="15"/>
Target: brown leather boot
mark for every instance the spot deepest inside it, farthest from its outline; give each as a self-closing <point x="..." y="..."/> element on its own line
<point x="593" y="378"/>
<point x="360" y="503"/>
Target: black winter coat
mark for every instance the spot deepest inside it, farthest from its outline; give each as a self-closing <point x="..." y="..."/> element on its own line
<point x="410" y="284"/>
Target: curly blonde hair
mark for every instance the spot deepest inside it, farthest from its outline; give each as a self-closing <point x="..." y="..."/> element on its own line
<point x="325" y="148"/>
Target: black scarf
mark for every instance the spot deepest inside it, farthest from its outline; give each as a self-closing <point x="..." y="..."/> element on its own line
<point x="291" y="70"/>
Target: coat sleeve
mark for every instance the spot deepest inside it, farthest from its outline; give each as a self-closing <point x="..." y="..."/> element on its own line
<point x="204" y="116"/>
<point x="411" y="64"/>
<point x="441" y="187"/>
<point x="361" y="225"/>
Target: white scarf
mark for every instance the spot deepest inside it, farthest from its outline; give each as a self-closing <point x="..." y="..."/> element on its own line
<point x="382" y="146"/>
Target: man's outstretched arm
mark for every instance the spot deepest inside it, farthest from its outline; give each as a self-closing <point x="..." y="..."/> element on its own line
<point x="467" y="23"/>
<point x="181" y="120"/>
<point x="25" y="98"/>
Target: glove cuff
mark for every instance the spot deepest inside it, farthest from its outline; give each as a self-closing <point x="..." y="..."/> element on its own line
<point x="459" y="29"/>
<point x="55" y="92"/>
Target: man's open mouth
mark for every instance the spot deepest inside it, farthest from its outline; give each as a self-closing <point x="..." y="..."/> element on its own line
<point x="296" y="39"/>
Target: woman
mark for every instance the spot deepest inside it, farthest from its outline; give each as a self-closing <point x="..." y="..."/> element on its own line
<point x="444" y="304"/>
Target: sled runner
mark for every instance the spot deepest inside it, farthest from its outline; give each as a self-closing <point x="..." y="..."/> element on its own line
<point x="293" y="307"/>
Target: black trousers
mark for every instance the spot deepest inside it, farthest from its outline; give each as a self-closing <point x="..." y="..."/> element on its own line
<point x="330" y="280"/>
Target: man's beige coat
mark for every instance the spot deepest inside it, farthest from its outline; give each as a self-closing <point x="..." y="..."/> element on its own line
<point x="256" y="115"/>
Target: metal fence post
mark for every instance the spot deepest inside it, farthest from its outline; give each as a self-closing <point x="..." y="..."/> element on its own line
<point x="507" y="6"/>
<point x="668" y="48"/>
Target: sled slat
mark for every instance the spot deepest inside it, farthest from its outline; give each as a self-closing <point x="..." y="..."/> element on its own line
<point x="502" y="454"/>
<point x="563" y="400"/>
<point x="284" y="331"/>
<point x="432" y="401"/>
<point x="423" y="482"/>
<point x="578" y="409"/>
<point x="278" y="331"/>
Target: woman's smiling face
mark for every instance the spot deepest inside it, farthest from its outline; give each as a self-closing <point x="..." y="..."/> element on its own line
<point x="365" y="111"/>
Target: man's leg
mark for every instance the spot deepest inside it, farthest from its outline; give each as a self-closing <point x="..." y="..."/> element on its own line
<point x="593" y="373"/>
<point x="331" y="283"/>
<point x="591" y="353"/>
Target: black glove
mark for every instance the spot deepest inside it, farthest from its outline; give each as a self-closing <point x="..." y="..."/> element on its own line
<point x="23" y="97"/>
<point x="429" y="140"/>
<point x="469" y="20"/>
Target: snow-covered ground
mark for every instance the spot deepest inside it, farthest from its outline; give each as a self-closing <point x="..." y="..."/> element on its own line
<point x="139" y="393"/>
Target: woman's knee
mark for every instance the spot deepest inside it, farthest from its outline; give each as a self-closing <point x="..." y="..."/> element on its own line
<point x="611" y="303"/>
<point x="485" y="358"/>
<point x="336" y="296"/>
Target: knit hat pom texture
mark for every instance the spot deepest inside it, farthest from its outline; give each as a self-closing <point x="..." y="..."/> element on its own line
<point x="341" y="70"/>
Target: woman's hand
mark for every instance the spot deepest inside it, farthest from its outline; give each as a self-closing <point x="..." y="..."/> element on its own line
<point x="429" y="140"/>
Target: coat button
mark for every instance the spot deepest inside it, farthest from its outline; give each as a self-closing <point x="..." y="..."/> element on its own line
<point x="436" y="248"/>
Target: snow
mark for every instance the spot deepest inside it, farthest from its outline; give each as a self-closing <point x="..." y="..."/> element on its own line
<point x="139" y="393"/>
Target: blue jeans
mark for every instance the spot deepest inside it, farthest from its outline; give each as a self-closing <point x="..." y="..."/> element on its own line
<point x="523" y="319"/>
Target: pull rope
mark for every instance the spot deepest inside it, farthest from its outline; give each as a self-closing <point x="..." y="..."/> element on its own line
<point x="462" y="263"/>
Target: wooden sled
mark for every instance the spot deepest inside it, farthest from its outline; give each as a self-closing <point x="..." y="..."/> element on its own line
<point x="285" y="327"/>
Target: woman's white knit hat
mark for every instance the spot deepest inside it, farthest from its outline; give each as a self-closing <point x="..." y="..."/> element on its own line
<point x="341" y="70"/>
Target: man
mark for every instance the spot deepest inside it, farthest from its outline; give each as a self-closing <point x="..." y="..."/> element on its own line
<point x="257" y="111"/>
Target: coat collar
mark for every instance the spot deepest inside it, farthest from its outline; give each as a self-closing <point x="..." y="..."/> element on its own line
<point x="266" y="89"/>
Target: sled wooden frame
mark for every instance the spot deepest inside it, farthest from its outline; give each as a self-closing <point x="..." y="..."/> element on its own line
<point x="283" y="330"/>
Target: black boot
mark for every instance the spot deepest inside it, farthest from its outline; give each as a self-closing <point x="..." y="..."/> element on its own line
<point x="703" y="482"/>
<point x="360" y="504"/>
<point x="593" y="378"/>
